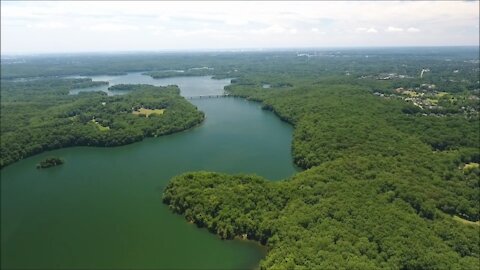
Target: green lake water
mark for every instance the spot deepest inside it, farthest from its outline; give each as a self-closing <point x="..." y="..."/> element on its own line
<point x="102" y="209"/>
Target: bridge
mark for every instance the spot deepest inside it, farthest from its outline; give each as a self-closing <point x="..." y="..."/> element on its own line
<point x="207" y="96"/>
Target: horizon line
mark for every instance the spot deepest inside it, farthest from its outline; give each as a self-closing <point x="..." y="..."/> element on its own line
<point x="228" y="50"/>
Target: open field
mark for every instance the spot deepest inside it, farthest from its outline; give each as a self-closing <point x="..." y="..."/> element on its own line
<point x="148" y="112"/>
<point x="470" y="166"/>
<point x="100" y="127"/>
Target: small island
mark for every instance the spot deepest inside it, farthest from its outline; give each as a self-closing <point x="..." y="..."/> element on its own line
<point x="49" y="162"/>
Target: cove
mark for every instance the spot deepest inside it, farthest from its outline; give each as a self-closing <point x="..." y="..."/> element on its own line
<point x="103" y="208"/>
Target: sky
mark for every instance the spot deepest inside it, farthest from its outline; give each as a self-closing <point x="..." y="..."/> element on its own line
<point x="78" y="26"/>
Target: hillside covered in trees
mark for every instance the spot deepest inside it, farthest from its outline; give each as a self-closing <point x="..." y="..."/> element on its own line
<point x="384" y="184"/>
<point x="39" y="115"/>
<point x="377" y="195"/>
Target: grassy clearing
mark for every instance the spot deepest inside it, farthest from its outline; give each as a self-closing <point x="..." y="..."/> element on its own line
<point x="148" y="112"/>
<point x="470" y="166"/>
<point x="100" y="127"/>
<point x="467" y="222"/>
<point x="412" y="93"/>
<point x="441" y="94"/>
<point x="433" y="101"/>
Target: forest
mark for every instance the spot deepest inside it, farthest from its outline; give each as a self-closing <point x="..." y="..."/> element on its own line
<point x="40" y="115"/>
<point x="377" y="193"/>
<point x="389" y="145"/>
<point x="383" y="188"/>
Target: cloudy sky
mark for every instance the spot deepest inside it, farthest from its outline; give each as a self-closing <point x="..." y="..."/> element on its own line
<point x="77" y="26"/>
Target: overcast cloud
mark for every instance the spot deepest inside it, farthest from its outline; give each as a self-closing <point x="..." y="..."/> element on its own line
<point x="77" y="26"/>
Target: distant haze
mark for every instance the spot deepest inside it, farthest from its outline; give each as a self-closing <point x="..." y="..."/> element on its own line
<point x="77" y="26"/>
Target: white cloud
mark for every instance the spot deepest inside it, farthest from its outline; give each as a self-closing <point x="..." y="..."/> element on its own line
<point x="394" y="29"/>
<point x="240" y="24"/>
<point x="370" y="30"/>
<point x="48" y="25"/>
<point x="162" y="18"/>
<point x="156" y="30"/>
<point x="111" y="27"/>
<point x="236" y="21"/>
<point x="317" y="31"/>
<point x="204" y="31"/>
<point x="273" y="29"/>
<point x="413" y="30"/>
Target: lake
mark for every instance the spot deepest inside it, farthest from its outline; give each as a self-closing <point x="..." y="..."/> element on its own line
<point x="103" y="208"/>
<point x="189" y="86"/>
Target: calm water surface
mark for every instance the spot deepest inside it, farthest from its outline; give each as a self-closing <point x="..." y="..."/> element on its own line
<point x="189" y="86"/>
<point x="103" y="209"/>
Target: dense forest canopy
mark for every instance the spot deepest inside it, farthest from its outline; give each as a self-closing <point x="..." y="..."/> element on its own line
<point x="39" y="115"/>
<point x="389" y="140"/>
<point x="386" y="174"/>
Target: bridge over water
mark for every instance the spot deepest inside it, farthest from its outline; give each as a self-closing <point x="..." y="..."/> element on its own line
<point x="207" y="96"/>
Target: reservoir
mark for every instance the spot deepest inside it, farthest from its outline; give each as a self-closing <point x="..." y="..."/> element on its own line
<point x="189" y="86"/>
<point x="103" y="207"/>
